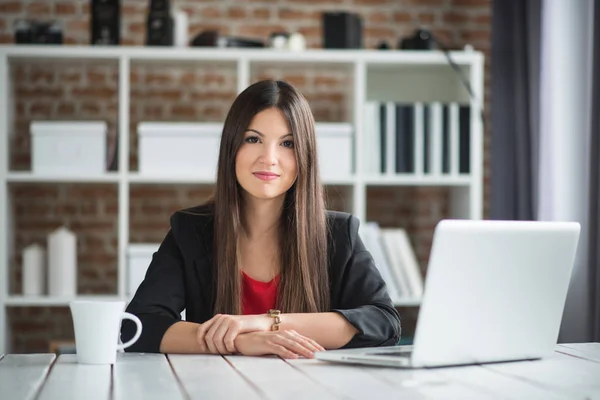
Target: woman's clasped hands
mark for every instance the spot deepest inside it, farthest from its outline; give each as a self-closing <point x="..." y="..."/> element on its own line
<point x="250" y="335"/>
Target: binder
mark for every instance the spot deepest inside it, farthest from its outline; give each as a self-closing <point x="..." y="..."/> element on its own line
<point x="405" y="137"/>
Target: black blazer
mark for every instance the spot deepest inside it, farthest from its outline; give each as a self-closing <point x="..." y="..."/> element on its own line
<point x="180" y="277"/>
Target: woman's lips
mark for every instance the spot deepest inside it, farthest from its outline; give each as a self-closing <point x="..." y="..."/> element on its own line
<point x="266" y="176"/>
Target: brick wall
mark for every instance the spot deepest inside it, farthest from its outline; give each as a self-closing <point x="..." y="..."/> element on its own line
<point x="83" y="91"/>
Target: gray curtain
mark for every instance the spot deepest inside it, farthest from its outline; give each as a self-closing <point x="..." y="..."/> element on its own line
<point x="516" y="51"/>
<point x="594" y="221"/>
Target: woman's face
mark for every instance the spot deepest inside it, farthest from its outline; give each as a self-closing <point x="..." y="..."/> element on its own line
<point x="265" y="164"/>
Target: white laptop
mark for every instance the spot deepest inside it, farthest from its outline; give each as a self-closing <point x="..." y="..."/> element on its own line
<point x="494" y="291"/>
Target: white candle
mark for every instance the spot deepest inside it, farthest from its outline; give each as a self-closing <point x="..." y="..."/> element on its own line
<point x="180" y="35"/>
<point x="33" y="270"/>
<point x="62" y="263"/>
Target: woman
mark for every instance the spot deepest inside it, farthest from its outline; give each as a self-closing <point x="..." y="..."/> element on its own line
<point x="263" y="268"/>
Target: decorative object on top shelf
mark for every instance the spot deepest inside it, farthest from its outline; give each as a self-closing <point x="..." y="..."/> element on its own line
<point x="287" y="41"/>
<point x="105" y="23"/>
<point x="279" y="40"/>
<point x="180" y="28"/>
<point x="342" y="30"/>
<point x="420" y="40"/>
<point x="62" y="263"/>
<point x="34" y="270"/>
<point x="159" y="24"/>
<point x="38" y="32"/>
<point x="296" y="42"/>
<point x="211" y="38"/>
<point x="383" y="45"/>
<point x="68" y="147"/>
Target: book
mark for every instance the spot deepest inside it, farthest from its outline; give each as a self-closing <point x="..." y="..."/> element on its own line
<point x="390" y="138"/>
<point x="405" y="137"/>
<point x="445" y="138"/>
<point x="435" y="138"/>
<point x="372" y="240"/>
<point x="454" y="137"/>
<point x="419" y="127"/>
<point x="409" y="262"/>
<point x="464" y="139"/>
<point x="395" y="261"/>
<point x="382" y="137"/>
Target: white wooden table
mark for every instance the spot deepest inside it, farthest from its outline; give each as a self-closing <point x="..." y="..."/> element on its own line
<point x="572" y="373"/>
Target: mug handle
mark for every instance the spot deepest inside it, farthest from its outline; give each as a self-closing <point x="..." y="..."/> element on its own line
<point x="138" y="331"/>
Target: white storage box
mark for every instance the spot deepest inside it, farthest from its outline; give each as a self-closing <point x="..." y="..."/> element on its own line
<point x="139" y="257"/>
<point x="68" y="147"/>
<point x="179" y="149"/>
<point x="334" y="145"/>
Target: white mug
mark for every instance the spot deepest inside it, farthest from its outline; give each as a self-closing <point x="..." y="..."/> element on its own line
<point x="97" y="327"/>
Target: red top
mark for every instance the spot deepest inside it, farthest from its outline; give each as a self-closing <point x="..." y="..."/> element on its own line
<point x="258" y="297"/>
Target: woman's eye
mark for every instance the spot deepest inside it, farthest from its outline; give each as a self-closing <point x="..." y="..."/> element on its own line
<point x="288" y="143"/>
<point x="251" y="139"/>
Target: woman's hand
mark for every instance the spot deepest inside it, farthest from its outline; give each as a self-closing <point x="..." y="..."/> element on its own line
<point x="217" y="335"/>
<point x="285" y="344"/>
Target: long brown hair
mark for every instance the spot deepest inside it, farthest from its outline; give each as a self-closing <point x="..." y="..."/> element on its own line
<point x="304" y="279"/>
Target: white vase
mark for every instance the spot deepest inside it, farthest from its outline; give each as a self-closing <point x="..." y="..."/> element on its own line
<point x="33" y="270"/>
<point x="62" y="263"/>
<point x="180" y="28"/>
<point x="297" y="42"/>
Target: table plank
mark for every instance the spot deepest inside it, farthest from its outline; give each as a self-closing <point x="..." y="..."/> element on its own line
<point x="589" y="351"/>
<point x="566" y="375"/>
<point x="211" y="377"/>
<point x="496" y="384"/>
<point x="433" y="383"/>
<point x="277" y="379"/>
<point x="144" y="376"/>
<point x="344" y="380"/>
<point x="70" y="380"/>
<point x="21" y="375"/>
<point x="360" y="382"/>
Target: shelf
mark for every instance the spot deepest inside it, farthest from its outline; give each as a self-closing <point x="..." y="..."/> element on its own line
<point x="47" y="301"/>
<point x="136" y="177"/>
<point x="28" y="176"/>
<point x="407" y="302"/>
<point x="264" y="55"/>
<point x="415" y="180"/>
<point x="339" y="181"/>
<point x="371" y="75"/>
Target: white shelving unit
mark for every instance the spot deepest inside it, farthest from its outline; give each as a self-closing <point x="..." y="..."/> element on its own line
<point x="409" y="76"/>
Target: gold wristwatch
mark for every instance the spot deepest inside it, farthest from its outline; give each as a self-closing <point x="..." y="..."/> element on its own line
<point x="276" y="315"/>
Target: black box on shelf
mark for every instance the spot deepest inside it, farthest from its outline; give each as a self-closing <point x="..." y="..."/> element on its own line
<point x="159" y="24"/>
<point x="105" y="22"/>
<point x="342" y="30"/>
